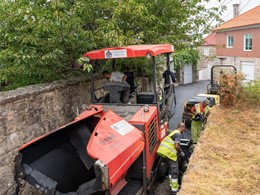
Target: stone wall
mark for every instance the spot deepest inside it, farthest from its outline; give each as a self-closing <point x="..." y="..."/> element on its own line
<point x="29" y="112"/>
<point x="206" y="60"/>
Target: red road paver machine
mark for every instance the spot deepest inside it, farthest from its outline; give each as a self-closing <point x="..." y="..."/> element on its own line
<point x="108" y="147"/>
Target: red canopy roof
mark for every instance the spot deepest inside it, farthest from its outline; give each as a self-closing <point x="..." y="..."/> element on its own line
<point x="132" y="51"/>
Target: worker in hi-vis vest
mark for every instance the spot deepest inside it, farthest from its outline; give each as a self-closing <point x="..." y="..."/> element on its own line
<point x="170" y="150"/>
<point x="199" y="112"/>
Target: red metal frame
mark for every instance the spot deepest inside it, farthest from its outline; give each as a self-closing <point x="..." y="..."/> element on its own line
<point x="132" y="51"/>
<point x="114" y="148"/>
<point x="163" y="130"/>
<point x="146" y="118"/>
<point x="117" y="149"/>
<point x="97" y="109"/>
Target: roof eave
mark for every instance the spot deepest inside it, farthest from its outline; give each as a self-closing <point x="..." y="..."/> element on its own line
<point x="242" y="27"/>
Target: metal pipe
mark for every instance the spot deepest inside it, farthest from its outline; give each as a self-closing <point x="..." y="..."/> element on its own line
<point x="221" y="65"/>
<point x="114" y="64"/>
<point x="93" y="99"/>
<point x="154" y="80"/>
<point x="144" y="166"/>
<point x="155" y="175"/>
<point x="168" y="61"/>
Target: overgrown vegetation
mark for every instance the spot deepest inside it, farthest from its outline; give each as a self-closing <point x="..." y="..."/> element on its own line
<point x="40" y="41"/>
<point x="224" y="161"/>
<point x="251" y="93"/>
<point x="234" y="91"/>
<point x="230" y="88"/>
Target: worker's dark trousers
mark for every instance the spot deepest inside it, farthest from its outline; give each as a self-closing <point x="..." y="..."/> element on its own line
<point x="173" y="175"/>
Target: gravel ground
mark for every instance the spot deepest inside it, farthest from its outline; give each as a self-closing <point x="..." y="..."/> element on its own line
<point x="183" y="93"/>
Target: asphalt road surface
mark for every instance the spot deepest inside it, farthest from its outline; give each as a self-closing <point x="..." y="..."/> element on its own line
<point x="183" y="93"/>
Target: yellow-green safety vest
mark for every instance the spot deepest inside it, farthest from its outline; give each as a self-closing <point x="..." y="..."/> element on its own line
<point x="167" y="148"/>
<point x="197" y="107"/>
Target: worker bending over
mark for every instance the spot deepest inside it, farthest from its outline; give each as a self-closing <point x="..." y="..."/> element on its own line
<point x="114" y="76"/>
<point x="171" y="150"/>
<point x="199" y="112"/>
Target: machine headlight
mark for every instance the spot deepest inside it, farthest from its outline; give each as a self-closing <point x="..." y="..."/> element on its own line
<point x="148" y="55"/>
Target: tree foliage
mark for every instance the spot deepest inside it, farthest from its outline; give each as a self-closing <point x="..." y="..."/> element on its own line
<point x="41" y="40"/>
<point x="186" y="56"/>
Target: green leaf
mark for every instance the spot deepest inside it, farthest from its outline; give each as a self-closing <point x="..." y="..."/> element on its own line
<point x="43" y="39"/>
<point x="87" y="67"/>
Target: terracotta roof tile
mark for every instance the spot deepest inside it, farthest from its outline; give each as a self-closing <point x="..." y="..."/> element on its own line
<point x="210" y="39"/>
<point x="248" y="18"/>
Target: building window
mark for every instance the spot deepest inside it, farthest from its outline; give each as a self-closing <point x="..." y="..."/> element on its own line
<point x="206" y="51"/>
<point x="230" y="42"/>
<point x="248" y="42"/>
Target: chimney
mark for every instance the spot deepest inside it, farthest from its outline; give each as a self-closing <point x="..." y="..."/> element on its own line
<point x="235" y="10"/>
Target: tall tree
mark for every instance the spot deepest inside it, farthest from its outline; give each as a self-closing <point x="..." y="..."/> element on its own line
<point x="40" y="40"/>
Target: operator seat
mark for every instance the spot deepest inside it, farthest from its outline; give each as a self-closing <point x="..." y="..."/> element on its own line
<point x="115" y="88"/>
